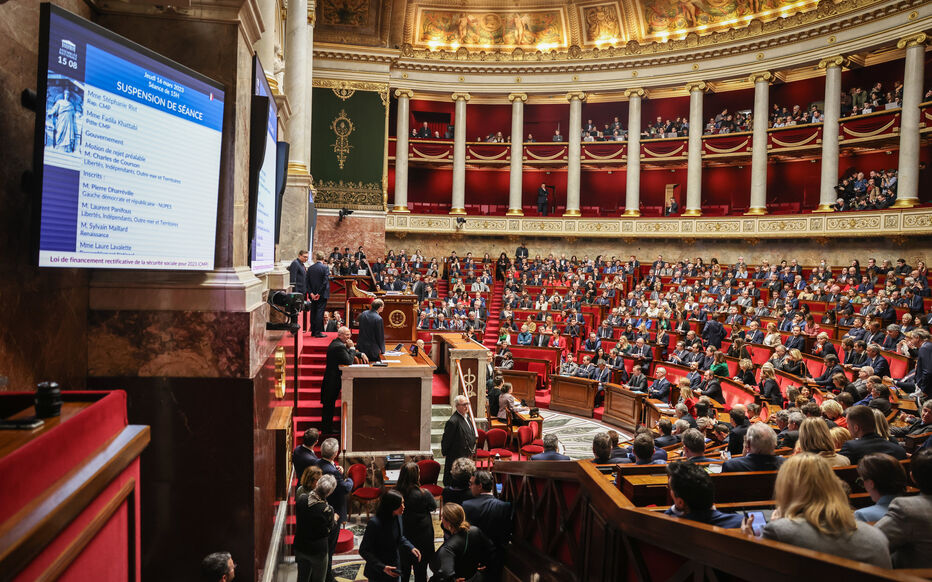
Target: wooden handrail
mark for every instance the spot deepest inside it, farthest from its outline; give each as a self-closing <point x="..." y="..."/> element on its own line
<point x="570" y="513"/>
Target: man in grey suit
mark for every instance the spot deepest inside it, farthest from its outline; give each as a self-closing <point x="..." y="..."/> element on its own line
<point x="371" y="339"/>
<point x="908" y="522"/>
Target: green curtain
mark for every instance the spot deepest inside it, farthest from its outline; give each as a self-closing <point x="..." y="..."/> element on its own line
<point x="348" y="144"/>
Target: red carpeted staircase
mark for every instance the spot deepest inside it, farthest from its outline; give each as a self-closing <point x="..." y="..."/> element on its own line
<point x="492" y="324"/>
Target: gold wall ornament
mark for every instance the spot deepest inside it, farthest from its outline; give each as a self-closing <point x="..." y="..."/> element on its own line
<point x="281" y="372"/>
<point x="761" y="76"/>
<point x="343" y="93"/>
<point x="835" y="61"/>
<point x="920" y="39"/>
<point x="342" y="127"/>
<point x="512" y="97"/>
<point x="696" y="86"/>
<point x="635" y="92"/>
<point x="575" y="95"/>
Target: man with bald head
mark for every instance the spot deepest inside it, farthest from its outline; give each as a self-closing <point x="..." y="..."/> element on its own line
<point x="340" y="352"/>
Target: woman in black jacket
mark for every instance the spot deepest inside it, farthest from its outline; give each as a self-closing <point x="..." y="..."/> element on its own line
<point x="315" y="520"/>
<point x="418" y="526"/>
<point x="769" y="388"/>
<point x="466" y="553"/>
<point x="384" y="540"/>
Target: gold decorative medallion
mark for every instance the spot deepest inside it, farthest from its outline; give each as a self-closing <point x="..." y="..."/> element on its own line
<point x="397" y="318"/>
<point x="342" y="127"/>
<point x="281" y="372"/>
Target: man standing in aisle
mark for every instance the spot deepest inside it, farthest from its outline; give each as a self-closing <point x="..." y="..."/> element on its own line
<point x="459" y="438"/>
<point x="340" y="352"/>
<point x="372" y="332"/>
<point x="318" y="288"/>
<point x="298" y="270"/>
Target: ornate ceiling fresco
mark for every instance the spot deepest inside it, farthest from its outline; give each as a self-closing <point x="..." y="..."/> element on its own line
<point x="536" y="24"/>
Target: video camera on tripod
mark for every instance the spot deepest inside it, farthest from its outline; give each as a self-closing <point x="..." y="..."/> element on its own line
<point x="289" y="305"/>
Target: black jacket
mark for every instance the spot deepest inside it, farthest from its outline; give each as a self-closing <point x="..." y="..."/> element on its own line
<point x="337" y="355"/>
<point x="371" y="335"/>
<point x="461" y="555"/>
<point x="493" y="516"/>
<point x="856" y="449"/>
<point x="381" y="546"/>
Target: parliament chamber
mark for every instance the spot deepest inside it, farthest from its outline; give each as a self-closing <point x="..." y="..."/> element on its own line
<point x="674" y="251"/>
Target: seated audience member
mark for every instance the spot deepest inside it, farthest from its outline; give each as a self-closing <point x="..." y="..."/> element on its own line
<point x="863" y="428"/>
<point x="814" y="514"/>
<point x="908" y="521"/>
<point x="458" y="490"/>
<point x="739" y="427"/>
<point x="615" y="439"/>
<point x="840" y="435"/>
<point x="915" y="426"/>
<point x="551" y="450"/>
<point x="602" y="450"/>
<point x="815" y="438"/>
<point x="694" y="447"/>
<point x="666" y="437"/>
<point x="506" y="403"/>
<point x="643" y="449"/>
<point x="761" y="442"/>
<point x="693" y="491"/>
<point x="884" y="479"/>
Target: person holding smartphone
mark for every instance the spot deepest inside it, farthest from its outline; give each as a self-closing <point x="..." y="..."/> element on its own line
<point x="384" y="540"/>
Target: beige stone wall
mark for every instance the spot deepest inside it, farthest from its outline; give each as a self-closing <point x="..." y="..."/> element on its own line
<point x="806" y="251"/>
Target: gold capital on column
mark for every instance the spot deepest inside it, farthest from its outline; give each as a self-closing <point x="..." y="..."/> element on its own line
<point x="697" y="86"/>
<point x="404" y="93"/>
<point x="635" y="92"/>
<point x="836" y="61"/>
<point x="575" y="95"/>
<point x="920" y="38"/>
<point x="516" y="96"/>
<point x="458" y="96"/>
<point x="761" y="76"/>
<point x="311" y="12"/>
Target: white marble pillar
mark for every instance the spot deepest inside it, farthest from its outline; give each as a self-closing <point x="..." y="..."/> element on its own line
<point x="829" y="176"/>
<point x="516" y="176"/>
<point x="309" y="81"/>
<point x="296" y="86"/>
<point x="694" y="159"/>
<point x="574" y="153"/>
<point x="761" y="113"/>
<point x="907" y="191"/>
<point x="633" y="173"/>
<point x="458" y="202"/>
<point x="402" y="132"/>
<point x="265" y="46"/>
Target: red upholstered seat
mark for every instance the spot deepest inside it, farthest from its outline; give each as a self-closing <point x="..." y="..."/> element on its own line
<point x="496" y="439"/>
<point x="345" y="541"/>
<point x="481" y="451"/>
<point x="535" y="432"/>
<point x="525" y="434"/>
<point x="429" y="470"/>
<point x="364" y="495"/>
<point x="434" y="490"/>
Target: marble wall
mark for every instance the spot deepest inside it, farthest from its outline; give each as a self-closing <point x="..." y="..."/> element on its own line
<point x="43" y="325"/>
<point x="807" y="251"/>
<point x="360" y="228"/>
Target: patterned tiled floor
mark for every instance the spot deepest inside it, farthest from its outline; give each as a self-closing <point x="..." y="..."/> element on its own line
<point x="575" y="435"/>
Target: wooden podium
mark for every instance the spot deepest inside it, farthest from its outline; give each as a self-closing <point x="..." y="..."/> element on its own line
<point x="573" y="395"/>
<point x="449" y="348"/>
<point x="399" y="315"/>
<point x="623" y="407"/>
<point x="387" y="408"/>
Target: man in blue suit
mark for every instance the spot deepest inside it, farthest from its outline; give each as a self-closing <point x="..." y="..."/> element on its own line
<point x="337" y="500"/>
<point x="372" y="332"/>
<point x="318" y="289"/>
<point x="551" y="445"/>
<point x="298" y="271"/>
<point x="661" y="388"/>
<point x="493" y="516"/>
<point x="713" y="333"/>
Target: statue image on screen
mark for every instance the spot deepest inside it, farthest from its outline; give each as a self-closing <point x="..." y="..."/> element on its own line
<point x="64" y="115"/>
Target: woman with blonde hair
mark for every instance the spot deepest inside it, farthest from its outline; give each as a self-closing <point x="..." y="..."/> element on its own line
<point x="794" y="364"/>
<point x="813" y="512"/>
<point x="840" y="435"/>
<point x="834" y="412"/>
<point x="467" y="550"/>
<point x="814" y="437"/>
<point x="773" y="337"/>
<point x="883" y="427"/>
<point x="623" y="346"/>
<point x="687" y="396"/>
<point x="769" y="387"/>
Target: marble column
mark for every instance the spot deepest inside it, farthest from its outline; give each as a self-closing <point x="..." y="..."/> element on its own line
<point x="694" y="159"/>
<point x="458" y="203"/>
<point x="574" y="153"/>
<point x="516" y="177"/>
<point x="402" y="132"/>
<point x="761" y="112"/>
<point x="265" y="46"/>
<point x="309" y="79"/>
<point x="907" y="191"/>
<point x="633" y="181"/>
<point x="296" y="86"/>
<point x="829" y="176"/>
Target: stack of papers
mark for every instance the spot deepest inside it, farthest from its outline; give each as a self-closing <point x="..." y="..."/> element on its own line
<point x="394" y="353"/>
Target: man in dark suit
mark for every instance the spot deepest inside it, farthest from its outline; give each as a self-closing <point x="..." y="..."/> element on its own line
<point x="923" y="375"/>
<point x="694" y="447"/>
<point x="711" y="387"/>
<point x="493" y="516"/>
<point x="796" y="341"/>
<point x="666" y="437"/>
<point x="638" y="381"/>
<point x="542" y="200"/>
<point x="521" y="253"/>
<point x="318" y="289"/>
<point x="303" y="455"/>
<point x="371" y="338"/>
<point x="761" y="443"/>
<point x="661" y="388"/>
<point x="642" y="352"/>
<point x="329" y="449"/>
<point x="340" y="352"/>
<point x="459" y="438"/>
<point x="298" y="271"/>
<point x="863" y="428"/>
<point x="551" y="445"/>
<point x="713" y="333"/>
<point x="739" y="428"/>
<point x="876" y="361"/>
